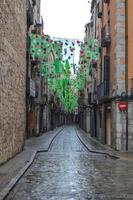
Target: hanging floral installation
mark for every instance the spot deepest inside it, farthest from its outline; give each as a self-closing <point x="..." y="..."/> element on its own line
<point x="89" y="54"/>
<point x="65" y="78"/>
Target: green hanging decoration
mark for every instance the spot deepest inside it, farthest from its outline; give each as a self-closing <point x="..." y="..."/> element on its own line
<point x="44" y="70"/>
<point x="59" y="73"/>
<point x="88" y="59"/>
<point x="57" y="64"/>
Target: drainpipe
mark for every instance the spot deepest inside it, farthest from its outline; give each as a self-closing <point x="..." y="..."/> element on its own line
<point x="102" y="48"/>
<point x="126" y="66"/>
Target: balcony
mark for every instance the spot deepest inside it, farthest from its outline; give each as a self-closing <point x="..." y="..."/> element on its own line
<point x="39" y="26"/>
<point x="91" y="22"/>
<point x="103" y="90"/>
<point x="34" y="2"/>
<point x="39" y="23"/>
<point x="30" y="14"/>
<point x="105" y="37"/>
<point x="100" y="90"/>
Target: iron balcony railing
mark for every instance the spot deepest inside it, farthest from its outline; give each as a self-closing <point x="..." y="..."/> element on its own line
<point x="105" y="37"/>
<point x="40" y="22"/>
<point x="100" y="90"/>
<point x="103" y="90"/>
<point x="34" y="2"/>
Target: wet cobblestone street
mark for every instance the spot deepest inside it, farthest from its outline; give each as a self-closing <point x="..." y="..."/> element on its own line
<point x="69" y="172"/>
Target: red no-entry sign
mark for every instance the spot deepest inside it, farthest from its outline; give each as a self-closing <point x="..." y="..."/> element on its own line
<point x="122" y="105"/>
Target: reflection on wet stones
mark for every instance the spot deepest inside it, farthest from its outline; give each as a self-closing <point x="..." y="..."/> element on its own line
<point x="71" y="175"/>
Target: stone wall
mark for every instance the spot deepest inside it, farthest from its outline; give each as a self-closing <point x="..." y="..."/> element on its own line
<point x="118" y="127"/>
<point x="120" y="47"/>
<point x="118" y="118"/>
<point x="12" y="77"/>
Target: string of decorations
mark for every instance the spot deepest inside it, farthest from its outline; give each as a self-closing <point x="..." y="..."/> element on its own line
<point x="59" y="73"/>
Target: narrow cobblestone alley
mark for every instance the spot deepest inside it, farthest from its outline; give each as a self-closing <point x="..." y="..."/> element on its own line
<point x="69" y="172"/>
<point x="66" y="100"/>
<point x="67" y="142"/>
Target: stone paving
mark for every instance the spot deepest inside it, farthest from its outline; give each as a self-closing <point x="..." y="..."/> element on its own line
<point x="69" y="172"/>
<point x="10" y="169"/>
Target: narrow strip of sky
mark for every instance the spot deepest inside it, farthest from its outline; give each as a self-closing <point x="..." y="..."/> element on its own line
<point x="65" y="18"/>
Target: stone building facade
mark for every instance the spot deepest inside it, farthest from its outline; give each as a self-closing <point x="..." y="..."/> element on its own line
<point x="38" y="94"/>
<point x="12" y="77"/>
<point x="34" y="80"/>
<point x="112" y="78"/>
